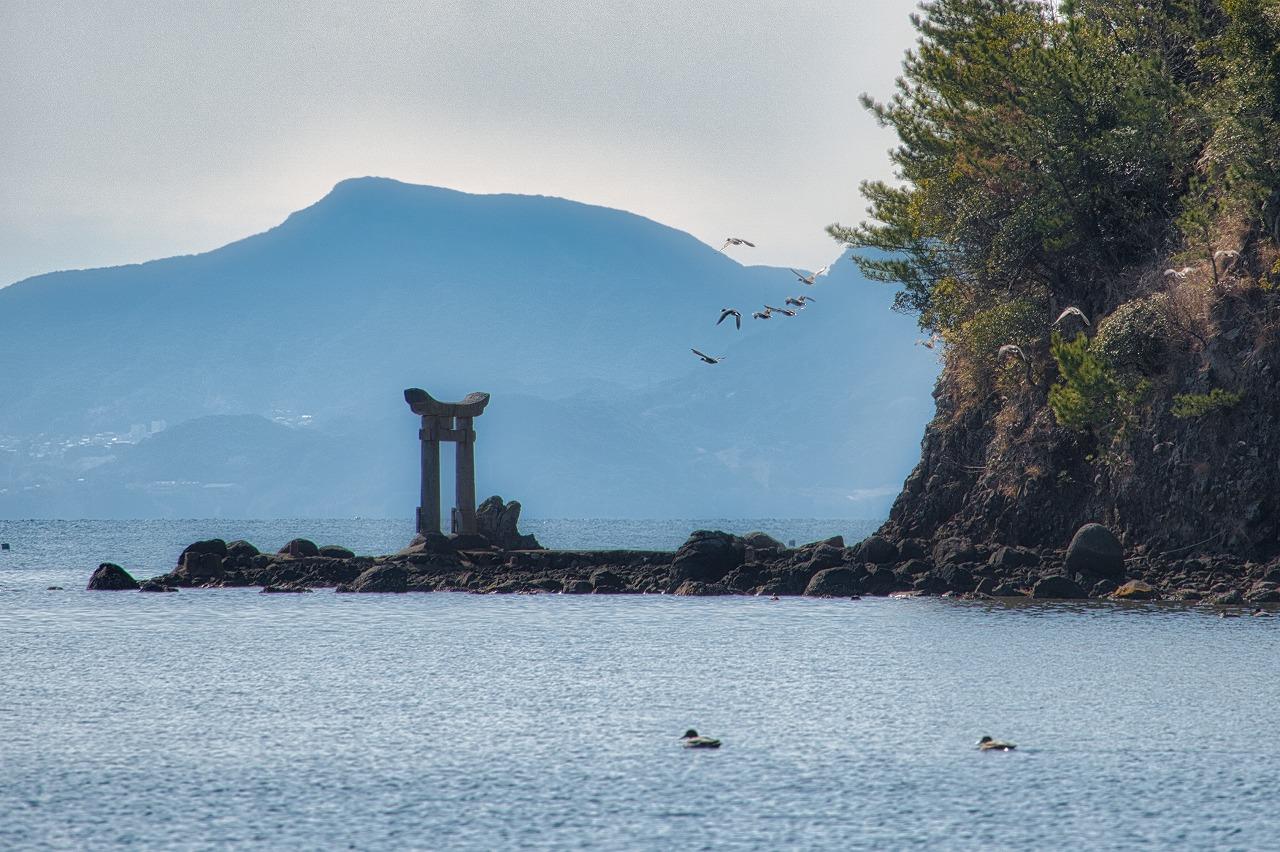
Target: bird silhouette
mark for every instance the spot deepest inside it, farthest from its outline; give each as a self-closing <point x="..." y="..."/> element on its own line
<point x="707" y="358"/>
<point x="799" y="301"/>
<point x="1072" y="312"/>
<point x="737" y="241"/>
<point x="730" y="312"/>
<point x="811" y="277"/>
<point x="765" y="314"/>
<point x="786" y="312"/>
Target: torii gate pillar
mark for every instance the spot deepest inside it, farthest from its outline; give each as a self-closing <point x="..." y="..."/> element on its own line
<point x="447" y="421"/>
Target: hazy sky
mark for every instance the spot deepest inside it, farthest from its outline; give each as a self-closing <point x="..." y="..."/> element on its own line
<point x="134" y="130"/>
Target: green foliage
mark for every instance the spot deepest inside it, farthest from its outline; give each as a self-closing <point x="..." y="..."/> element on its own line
<point x="1038" y="148"/>
<point x="1087" y="394"/>
<point x="1134" y="338"/>
<point x="1200" y="404"/>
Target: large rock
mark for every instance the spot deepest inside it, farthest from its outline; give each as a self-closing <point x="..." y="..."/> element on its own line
<point x="241" y="549"/>
<point x="382" y="578"/>
<point x="694" y="589"/>
<point x="215" y="546"/>
<point x="760" y="546"/>
<point x="432" y="542"/>
<point x="111" y="578"/>
<point x="1058" y="587"/>
<point x="335" y="551"/>
<point x="877" y="550"/>
<point x="1095" y="551"/>
<point x="499" y="522"/>
<point x="833" y="583"/>
<point x="200" y="567"/>
<point x="1007" y="558"/>
<point x="708" y="556"/>
<point x="954" y="551"/>
<point x="300" y="547"/>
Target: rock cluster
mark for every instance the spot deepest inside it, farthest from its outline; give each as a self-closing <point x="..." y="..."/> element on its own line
<point x="710" y="562"/>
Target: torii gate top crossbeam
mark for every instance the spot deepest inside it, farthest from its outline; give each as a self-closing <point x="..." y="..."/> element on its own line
<point x="423" y="403"/>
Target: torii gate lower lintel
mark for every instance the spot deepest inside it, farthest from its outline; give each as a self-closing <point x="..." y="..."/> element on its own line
<point x="447" y="421"/>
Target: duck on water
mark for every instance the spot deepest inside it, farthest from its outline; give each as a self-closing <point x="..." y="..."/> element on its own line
<point x="692" y="739"/>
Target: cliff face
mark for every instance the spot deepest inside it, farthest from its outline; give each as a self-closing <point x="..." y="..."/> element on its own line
<point x="1001" y="470"/>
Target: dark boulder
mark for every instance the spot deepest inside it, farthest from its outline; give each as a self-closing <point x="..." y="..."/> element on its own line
<point x="1095" y="551"/>
<point x="382" y="578"/>
<point x="761" y="546"/>
<point x="914" y="567"/>
<point x="241" y="549"/>
<point x="199" y="567"/>
<point x="469" y="541"/>
<point x="954" y="551"/>
<point x="824" y="556"/>
<point x="1007" y="558"/>
<point x="880" y="581"/>
<point x="215" y="546"/>
<point x="932" y="583"/>
<point x="707" y="556"/>
<point x="877" y="550"/>
<point x="334" y="551"/>
<point x="578" y="587"/>
<point x="833" y="583"/>
<point x="913" y="548"/>
<point x="156" y="586"/>
<point x="111" y="578"/>
<point x="300" y="548"/>
<point x="604" y="580"/>
<point x="1008" y="590"/>
<point x="1058" y="587"/>
<point x="432" y="542"/>
<point x="957" y="579"/>
<point x="284" y="589"/>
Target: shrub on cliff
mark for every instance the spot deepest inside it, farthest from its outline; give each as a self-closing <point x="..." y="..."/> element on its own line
<point x="1086" y="394"/>
<point x="1135" y="336"/>
<point x="1199" y="404"/>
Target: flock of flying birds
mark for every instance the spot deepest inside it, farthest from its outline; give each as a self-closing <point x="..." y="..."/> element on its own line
<point x="794" y="304"/>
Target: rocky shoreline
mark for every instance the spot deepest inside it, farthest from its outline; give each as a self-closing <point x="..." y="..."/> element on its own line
<point x="1093" y="565"/>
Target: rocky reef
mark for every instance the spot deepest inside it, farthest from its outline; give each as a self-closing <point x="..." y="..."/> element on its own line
<point x="719" y="563"/>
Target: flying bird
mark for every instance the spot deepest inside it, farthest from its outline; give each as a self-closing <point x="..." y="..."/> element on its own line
<point x="707" y="358"/>
<point x="765" y="314"/>
<point x="799" y="301"/>
<point x="730" y="312"/>
<point x="1009" y="349"/>
<point x="1072" y="312"/>
<point x="811" y="277"/>
<point x="786" y="312"/>
<point x="737" y="241"/>
<point x="1178" y="273"/>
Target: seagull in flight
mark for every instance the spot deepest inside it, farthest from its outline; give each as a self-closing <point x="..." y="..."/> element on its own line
<point x="1010" y="349"/>
<point x="730" y="312"/>
<point x="786" y="312"/>
<point x="1178" y="273"/>
<point x="813" y="276"/>
<point x="707" y="358"/>
<point x="737" y="241"/>
<point x="931" y="341"/>
<point x="1072" y="311"/>
<point x="765" y="314"/>
<point x="799" y="301"/>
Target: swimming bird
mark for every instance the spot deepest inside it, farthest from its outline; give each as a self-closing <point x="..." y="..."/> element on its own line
<point x="707" y="358"/>
<point x="730" y="312"/>
<point x="786" y="312"/>
<point x="799" y="301"/>
<point x="1072" y="311"/>
<point x="691" y="739"/>
<point x="811" y="277"/>
<point x="988" y="744"/>
<point x="765" y="314"/>
<point x="737" y="241"/>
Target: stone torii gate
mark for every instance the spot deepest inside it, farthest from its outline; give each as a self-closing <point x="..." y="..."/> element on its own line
<point x="447" y="421"/>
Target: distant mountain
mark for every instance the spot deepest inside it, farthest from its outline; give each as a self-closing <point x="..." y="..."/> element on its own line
<point x="578" y="319"/>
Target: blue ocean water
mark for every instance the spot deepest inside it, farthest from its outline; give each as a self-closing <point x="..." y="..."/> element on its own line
<point x="215" y="718"/>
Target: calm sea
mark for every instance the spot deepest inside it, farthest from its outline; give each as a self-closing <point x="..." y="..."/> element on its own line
<point x="216" y="718"/>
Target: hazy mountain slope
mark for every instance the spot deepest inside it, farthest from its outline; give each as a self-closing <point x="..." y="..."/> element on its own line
<point x="578" y="319"/>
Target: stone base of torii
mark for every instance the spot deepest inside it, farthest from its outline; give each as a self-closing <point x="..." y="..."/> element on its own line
<point x="447" y="421"/>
